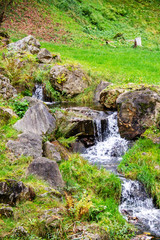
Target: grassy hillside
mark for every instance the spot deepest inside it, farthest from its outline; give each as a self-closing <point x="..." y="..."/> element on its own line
<point x="79" y="30"/>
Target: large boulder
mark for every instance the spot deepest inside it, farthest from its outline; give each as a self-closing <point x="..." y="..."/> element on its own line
<point x="29" y="44"/>
<point x="50" y="151"/>
<point x="27" y="144"/>
<point x="69" y="80"/>
<point x="12" y="192"/>
<point x="48" y="170"/>
<point x="6" y="89"/>
<point x="99" y="89"/>
<point x="81" y="122"/>
<point x="37" y="120"/>
<point x="137" y="110"/>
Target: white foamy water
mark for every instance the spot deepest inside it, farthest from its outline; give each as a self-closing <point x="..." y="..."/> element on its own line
<point x="38" y="94"/>
<point x="107" y="152"/>
<point x="138" y="207"/>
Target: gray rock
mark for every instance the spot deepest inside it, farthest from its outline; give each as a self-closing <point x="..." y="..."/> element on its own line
<point x="27" y="144"/>
<point x="44" y="56"/>
<point x="99" y="89"/>
<point x="48" y="170"/>
<point x="6" y="210"/>
<point x="78" y="147"/>
<point x="37" y="120"/>
<point x="6" y="89"/>
<point x="137" y="111"/>
<point x="81" y="121"/>
<point x="12" y="192"/>
<point x="29" y="44"/>
<point x="69" y="80"/>
<point x="50" y="152"/>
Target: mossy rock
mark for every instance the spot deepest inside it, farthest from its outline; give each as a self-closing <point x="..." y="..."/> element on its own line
<point x="4" y="116"/>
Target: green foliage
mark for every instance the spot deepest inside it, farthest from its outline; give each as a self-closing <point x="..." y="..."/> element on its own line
<point x="40" y="76"/>
<point x="51" y="91"/>
<point x="102" y="191"/>
<point x="20" y="107"/>
<point x="142" y="162"/>
<point x="67" y="141"/>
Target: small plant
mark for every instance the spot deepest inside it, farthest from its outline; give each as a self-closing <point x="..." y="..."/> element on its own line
<point x="61" y="78"/>
<point x="20" y="107"/>
<point x="78" y="209"/>
<point x="67" y="141"/>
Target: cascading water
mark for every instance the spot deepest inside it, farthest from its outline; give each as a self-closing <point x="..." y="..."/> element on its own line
<point x="136" y="206"/>
<point x="38" y="93"/>
<point x="107" y="152"/>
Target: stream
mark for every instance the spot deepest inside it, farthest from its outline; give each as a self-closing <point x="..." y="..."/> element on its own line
<point x="136" y="205"/>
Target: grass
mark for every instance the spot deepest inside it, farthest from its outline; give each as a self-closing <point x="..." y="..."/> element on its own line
<point x="117" y="65"/>
<point x="142" y="162"/>
<point x="93" y="197"/>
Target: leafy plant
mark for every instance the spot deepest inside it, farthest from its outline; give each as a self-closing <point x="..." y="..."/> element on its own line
<point x="20" y="107"/>
<point x="67" y="141"/>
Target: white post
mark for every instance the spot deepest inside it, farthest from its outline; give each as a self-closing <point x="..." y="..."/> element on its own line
<point x="137" y="42"/>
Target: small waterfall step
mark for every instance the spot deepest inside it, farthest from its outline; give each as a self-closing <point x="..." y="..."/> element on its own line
<point x="108" y="150"/>
<point x="38" y="92"/>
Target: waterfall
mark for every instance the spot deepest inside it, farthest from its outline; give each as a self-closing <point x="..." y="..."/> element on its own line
<point x="136" y="206"/>
<point x="108" y="150"/>
<point x="38" y="93"/>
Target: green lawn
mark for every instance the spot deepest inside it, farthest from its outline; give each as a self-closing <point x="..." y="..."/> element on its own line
<point x="121" y="64"/>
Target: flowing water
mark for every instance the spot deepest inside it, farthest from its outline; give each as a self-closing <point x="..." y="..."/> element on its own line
<point x="109" y="150"/>
<point x="38" y="93"/>
<point x="136" y="206"/>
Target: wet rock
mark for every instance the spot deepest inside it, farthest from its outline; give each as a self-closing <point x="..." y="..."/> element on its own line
<point x="137" y="111"/>
<point x="27" y="144"/>
<point x="69" y="79"/>
<point x="50" y="152"/>
<point x="6" y="211"/>
<point x="20" y="232"/>
<point x="81" y="121"/>
<point x="44" y="56"/>
<point x="99" y="89"/>
<point x="29" y="44"/>
<point x="37" y="120"/>
<point x="48" y="170"/>
<point x="77" y="147"/>
<point x="12" y="192"/>
<point x="6" y="89"/>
